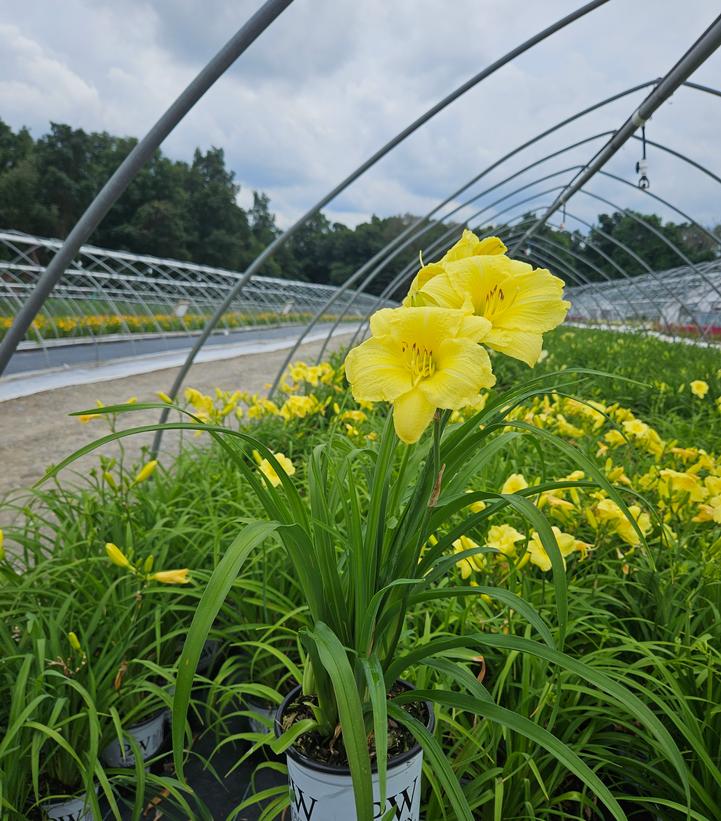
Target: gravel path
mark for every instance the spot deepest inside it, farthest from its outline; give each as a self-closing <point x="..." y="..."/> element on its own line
<point x="36" y="431"/>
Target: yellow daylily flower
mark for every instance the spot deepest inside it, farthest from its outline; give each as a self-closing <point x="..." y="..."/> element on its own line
<point x="2" y="545"/>
<point x="699" y="388"/>
<point x="116" y="555"/>
<point x="356" y="416"/>
<point x="614" y="438"/>
<point x="710" y="511"/>
<point x="420" y="359"/>
<point x="521" y="302"/>
<point x="299" y="406"/>
<point x="469" y="564"/>
<point x="514" y="483"/>
<point x="565" y="428"/>
<point x="566" y="544"/>
<point x="503" y="538"/>
<point x="467" y="246"/>
<point x="677" y="484"/>
<point x="608" y="511"/>
<point x="269" y="471"/>
<point x="171" y="576"/>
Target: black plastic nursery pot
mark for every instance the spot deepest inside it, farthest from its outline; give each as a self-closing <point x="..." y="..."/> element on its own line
<point x="324" y="792"/>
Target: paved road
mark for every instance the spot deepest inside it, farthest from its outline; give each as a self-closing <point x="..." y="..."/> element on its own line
<point x="90" y="354"/>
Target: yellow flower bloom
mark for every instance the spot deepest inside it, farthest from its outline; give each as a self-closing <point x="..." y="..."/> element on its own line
<point x="676" y="484"/>
<point x="269" y="471"/>
<point x="471" y="563"/>
<point x="467" y="246"/>
<point x="356" y="416"/>
<point x="566" y="544"/>
<point x="565" y="428"/>
<point x="420" y="359"/>
<point x="116" y="555"/>
<point x="710" y="511"/>
<point x="476" y="507"/>
<point x="171" y="576"/>
<point x="609" y="512"/>
<point x="520" y="302"/>
<point x="699" y="388"/>
<point x="614" y="438"/>
<point x="503" y="538"/>
<point x="298" y="407"/>
<point x="514" y="483"/>
<point x="146" y="471"/>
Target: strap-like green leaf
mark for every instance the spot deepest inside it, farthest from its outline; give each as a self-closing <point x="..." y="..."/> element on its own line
<point x="212" y="600"/>
<point x="435" y="757"/>
<point x="527" y="728"/>
<point x="334" y="658"/>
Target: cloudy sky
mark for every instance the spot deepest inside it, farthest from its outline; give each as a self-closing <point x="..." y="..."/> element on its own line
<point x="332" y="80"/>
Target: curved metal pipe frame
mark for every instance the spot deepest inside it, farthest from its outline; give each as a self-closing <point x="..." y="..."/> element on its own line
<point x="130" y="166"/>
<point x="697" y="54"/>
<point x="377" y="257"/>
<point x="659" y="235"/>
<point x="645" y="296"/>
<point x="566" y="250"/>
<point x="414" y="237"/>
<point x="283" y="238"/>
<point x="664" y="148"/>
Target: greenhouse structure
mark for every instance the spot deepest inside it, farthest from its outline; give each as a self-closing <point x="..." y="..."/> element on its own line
<point x="425" y="530"/>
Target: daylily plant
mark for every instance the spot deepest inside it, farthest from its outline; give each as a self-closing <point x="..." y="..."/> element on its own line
<point x="379" y="528"/>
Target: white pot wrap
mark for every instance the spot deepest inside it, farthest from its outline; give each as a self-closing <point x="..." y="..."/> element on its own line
<point x="74" y="809"/>
<point x="261" y="711"/>
<point x="149" y="735"/>
<point x="322" y="796"/>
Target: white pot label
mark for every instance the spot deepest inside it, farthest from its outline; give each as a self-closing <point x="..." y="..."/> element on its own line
<point x="149" y="736"/>
<point x="319" y="796"/>
<point x="73" y="809"/>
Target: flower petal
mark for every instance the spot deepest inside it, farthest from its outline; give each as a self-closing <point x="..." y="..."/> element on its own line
<point x="376" y="371"/>
<point x="518" y="344"/>
<point x="427" y="327"/>
<point x="537" y="304"/>
<point x="412" y="413"/>
<point x="462" y="369"/>
<point x="442" y="291"/>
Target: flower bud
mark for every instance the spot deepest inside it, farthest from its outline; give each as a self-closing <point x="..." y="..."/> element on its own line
<point x="148" y="564"/>
<point x="146" y="471"/>
<point x="171" y="576"/>
<point x="116" y="555"/>
<point x="74" y="643"/>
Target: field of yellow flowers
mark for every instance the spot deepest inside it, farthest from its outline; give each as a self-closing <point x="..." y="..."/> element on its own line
<point x="644" y="593"/>
<point x="63" y="325"/>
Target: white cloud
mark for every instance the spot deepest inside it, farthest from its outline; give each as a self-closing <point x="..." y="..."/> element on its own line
<point x="332" y="80"/>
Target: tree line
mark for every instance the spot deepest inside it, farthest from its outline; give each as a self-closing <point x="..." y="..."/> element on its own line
<point x="190" y="211"/>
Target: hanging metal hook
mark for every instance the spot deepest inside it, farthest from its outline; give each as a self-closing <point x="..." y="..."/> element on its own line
<point x="642" y="164"/>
